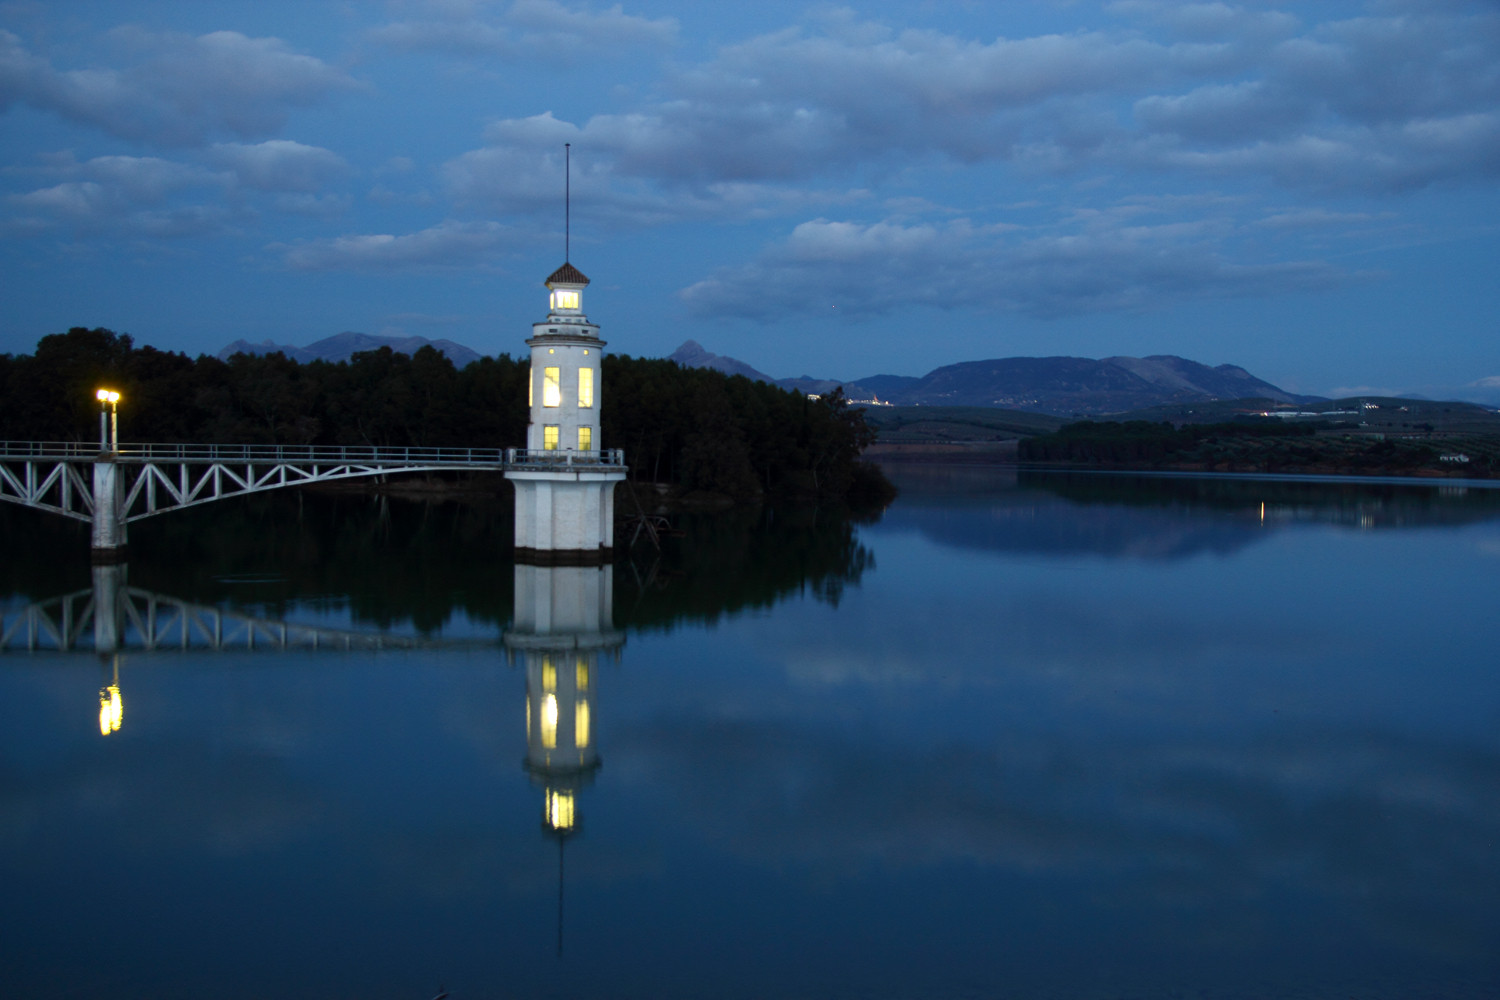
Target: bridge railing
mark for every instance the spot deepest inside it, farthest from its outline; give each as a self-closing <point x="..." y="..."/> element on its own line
<point x="48" y="449"/>
<point x="269" y="454"/>
<point x="258" y="453"/>
<point x="556" y="458"/>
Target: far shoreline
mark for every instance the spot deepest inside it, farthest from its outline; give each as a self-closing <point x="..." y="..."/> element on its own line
<point x="996" y="453"/>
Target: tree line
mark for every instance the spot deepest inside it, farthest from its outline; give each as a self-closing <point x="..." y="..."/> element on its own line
<point x="1112" y="441"/>
<point x="697" y="428"/>
<point x="1262" y="445"/>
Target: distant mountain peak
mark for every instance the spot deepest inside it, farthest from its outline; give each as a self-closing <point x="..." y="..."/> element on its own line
<point x="343" y="346"/>
<point x="693" y="355"/>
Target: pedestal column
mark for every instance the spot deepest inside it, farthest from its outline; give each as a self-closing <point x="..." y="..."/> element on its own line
<point x="108" y="536"/>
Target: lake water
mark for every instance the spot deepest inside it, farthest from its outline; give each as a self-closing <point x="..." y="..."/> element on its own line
<point x="1020" y="736"/>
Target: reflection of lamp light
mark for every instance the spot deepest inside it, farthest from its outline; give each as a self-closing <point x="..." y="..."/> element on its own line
<point x="111" y="711"/>
<point x="111" y="399"/>
<point x="559" y="815"/>
<point x="111" y="707"/>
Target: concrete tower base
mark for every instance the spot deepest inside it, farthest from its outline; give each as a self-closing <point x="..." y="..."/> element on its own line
<point x="565" y="517"/>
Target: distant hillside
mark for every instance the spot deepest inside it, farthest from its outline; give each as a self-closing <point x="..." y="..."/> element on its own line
<point x="1067" y="386"/>
<point x="692" y="355"/>
<point x="343" y="346"/>
<point x="1060" y="386"/>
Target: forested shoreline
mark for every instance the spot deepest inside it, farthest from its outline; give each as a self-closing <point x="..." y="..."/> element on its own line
<point x="695" y="428"/>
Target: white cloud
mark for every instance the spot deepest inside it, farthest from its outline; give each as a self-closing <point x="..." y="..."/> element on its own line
<point x="1094" y="263"/>
<point x="449" y="244"/>
<point x="536" y="29"/>
<point x="128" y="194"/>
<point x="1204" y="21"/>
<point x="521" y="167"/>
<point x="1364" y="105"/>
<point x="152" y="196"/>
<point x="278" y="165"/>
<point x="180" y="91"/>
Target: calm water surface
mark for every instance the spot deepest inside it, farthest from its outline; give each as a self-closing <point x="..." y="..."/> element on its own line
<point x="1046" y="736"/>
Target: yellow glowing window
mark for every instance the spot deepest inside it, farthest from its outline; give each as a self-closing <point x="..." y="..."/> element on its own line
<point x="551" y="387"/>
<point x="581" y="725"/>
<point x="549" y="676"/>
<point x="585" y="387"/>
<point x="581" y="672"/>
<point x="549" y="721"/>
<point x="530" y="390"/>
<point x="585" y="438"/>
<point x="564" y="298"/>
<point x="549" y="437"/>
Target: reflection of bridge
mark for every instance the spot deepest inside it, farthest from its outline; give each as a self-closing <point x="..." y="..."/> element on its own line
<point x="111" y="616"/>
<point x="142" y="480"/>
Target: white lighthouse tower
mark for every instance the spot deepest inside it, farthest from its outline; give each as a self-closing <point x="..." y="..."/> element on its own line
<point x="564" y="480"/>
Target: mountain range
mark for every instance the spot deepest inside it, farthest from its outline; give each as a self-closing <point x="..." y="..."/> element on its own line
<point x="1061" y="386"/>
<point x="343" y="346"/>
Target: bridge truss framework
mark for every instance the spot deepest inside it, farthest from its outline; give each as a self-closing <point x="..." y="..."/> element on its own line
<point x="143" y="480"/>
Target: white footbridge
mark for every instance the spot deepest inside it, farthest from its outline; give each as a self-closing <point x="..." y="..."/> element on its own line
<point x="110" y="489"/>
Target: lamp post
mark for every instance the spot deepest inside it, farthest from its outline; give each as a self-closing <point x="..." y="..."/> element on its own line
<point x="110" y="398"/>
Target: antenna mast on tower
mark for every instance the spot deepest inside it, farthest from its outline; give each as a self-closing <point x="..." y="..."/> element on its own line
<point x="567" y="201"/>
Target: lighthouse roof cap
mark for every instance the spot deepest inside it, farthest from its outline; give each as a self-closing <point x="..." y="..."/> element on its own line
<point x="567" y="275"/>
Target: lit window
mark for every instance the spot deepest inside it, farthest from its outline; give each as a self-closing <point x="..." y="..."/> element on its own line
<point x="585" y="438"/>
<point x="549" y="437"/>
<point x="582" y="674"/>
<point x="581" y="725"/>
<point x="551" y="387"/>
<point x="530" y="389"/>
<point x="564" y="298"/>
<point x="549" y="722"/>
<point x="549" y="675"/>
<point x="585" y="387"/>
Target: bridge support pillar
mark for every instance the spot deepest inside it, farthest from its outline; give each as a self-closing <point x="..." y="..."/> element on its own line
<point x="108" y="535"/>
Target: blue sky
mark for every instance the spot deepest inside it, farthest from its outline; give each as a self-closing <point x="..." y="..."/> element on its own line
<point x="1307" y="190"/>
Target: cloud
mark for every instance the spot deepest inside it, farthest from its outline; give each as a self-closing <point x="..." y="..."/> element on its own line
<point x="1227" y="95"/>
<point x="866" y="269"/>
<point x="1317" y="218"/>
<point x="1210" y="21"/>
<point x="521" y="167"/>
<point x="278" y="165"/>
<point x="127" y="194"/>
<point x="540" y="29"/>
<point x="152" y="196"/>
<point x="180" y="89"/>
<point x="449" y="244"/>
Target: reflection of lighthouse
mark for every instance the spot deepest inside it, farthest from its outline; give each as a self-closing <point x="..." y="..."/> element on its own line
<point x="563" y="621"/>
